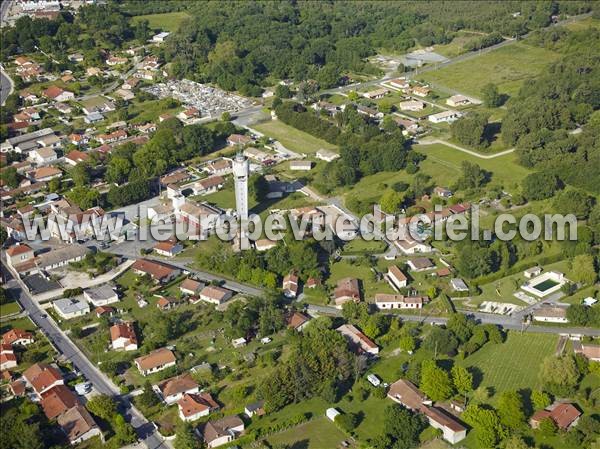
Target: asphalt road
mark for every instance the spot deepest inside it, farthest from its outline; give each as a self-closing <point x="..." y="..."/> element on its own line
<point x="144" y="429"/>
<point x="5" y="87"/>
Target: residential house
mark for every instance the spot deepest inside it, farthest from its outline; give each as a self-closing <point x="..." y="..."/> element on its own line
<point x="160" y="37"/>
<point x="412" y="105"/>
<point x="168" y="248"/>
<point x="19" y="254"/>
<point x="17" y="337"/>
<point x="123" y="336"/>
<point x="297" y="321"/>
<point x="420" y="264"/>
<point x="215" y="294"/>
<point x="264" y="245"/>
<point x="238" y="139"/>
<point x="457" y="100"/>
<point x="256" y="154"/>
<point x="209" y="185"/>
<point x="399" y="83"/>
<point x="347" y="289"/>
<point x="156" y="361"/>
<point x="396" y="278"/>
<point x="290" y="285"/>
<point x="41" y="377"/>
<point x="113" y="137"/>
<point x="159" y="272"/>
<point x="68" y="308"/>
<point x="104" y="311"/>
<point x="76" y="157"/>
<point x="589" y="351"/>
<point x="369" y="112"/>
<point x="195" y="406"/>
<point x="359" y="341"/>
<point x="386" y="301"/>
<point x="532" y="272"/>
<point x="218" y="167"/>
<point x="376" y="93"/>
<point x="564" y="415"/>
<point x="8" y="359"/>
<point x="57" y="94"/>
<point x="458" y="285"/>
<point x="444" y="117"/>
<point x="191" y="287"/>
<point x="189" y="115"/>
<point x="112" y="61"/>
<point x="57" y="401"/>
<point x="78" y="425"/>
<point x="452" y="430"/>
<point x="442" y="192"/>
<point x="222" y="431"/>
<point x="130" y="83"/>
<point x="172" y="390"/>
<point x="255" y="409"/>
<point x="44" y="174"/>
<point x="201" y="218"/>
<point x="421" y="91"/>
<point x="300" y="165"/>
<point x="78" y="139"/>
<point x="43" y="155"/>
<point x="101" y="295"/>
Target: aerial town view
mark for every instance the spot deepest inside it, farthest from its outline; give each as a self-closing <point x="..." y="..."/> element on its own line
<point x="294" y="224"/>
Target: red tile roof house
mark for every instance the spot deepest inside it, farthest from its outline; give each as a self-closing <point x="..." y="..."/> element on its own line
<point x="19" y="254"/>
<point x="591" y="352"/>
<point x="17" y="337"/>
<point x="386" y="301"/>
<point x="57" y="94"/>
<point x="172" y="390"/>
<point x="347" y="290"/>
<point x="78" y="425"/>
<point x="57" y="401"/>
<point x="168" y="249"/>
<point x="238" y="139"/>
<point x="221" y="431"/>
<point x="156" y="361"/>
<point x="564" y="416"/>
<point x="297" y="321"/>
<point x="41" y="377"/>
<point x="191" y="287"/>
<point x="290" y="286"/>
<point x="167" y="303"/>
<point x="75" y="157"/>
<point x="359" y="340"/>
<point x="122" y="336"/>
<point x="8" y="359"/>
<point x="194" y="406"/>
<point x="215" y="295"/>
<point x="396" y="278"/>
<point x="157" y="271"/>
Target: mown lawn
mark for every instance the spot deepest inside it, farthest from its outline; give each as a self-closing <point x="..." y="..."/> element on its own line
<point x="360" y="270"/>
<point x="292" y="138"/>
<point x="169" y="21"/>
<point x="508" y="67"/>
<point x="9" y="308"/>
<point x="320" y="433"/>
<point x="514" y="364"/>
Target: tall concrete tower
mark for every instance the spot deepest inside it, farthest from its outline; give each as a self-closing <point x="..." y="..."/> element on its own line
<point x="241" y="172"/>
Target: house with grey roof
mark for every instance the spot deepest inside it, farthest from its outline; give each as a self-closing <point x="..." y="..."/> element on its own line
<point x="68" y="308"/>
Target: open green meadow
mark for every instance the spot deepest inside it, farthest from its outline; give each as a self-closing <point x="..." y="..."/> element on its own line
<point x="508" y="67"/>
<point x="514" y="364"/>
<point x="292" y="138"/>
<point x="169" y="21"/>
<point x="320" y="433"/>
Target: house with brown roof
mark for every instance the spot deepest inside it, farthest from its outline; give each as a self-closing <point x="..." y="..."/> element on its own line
<point x="589" y="351"/>
<point x="44" y="174"/>
<point x="156" y="361"/>
<point x="191" y="287"/>
<point x="159" y="272"/>
<point x="57" y="401"/>
<point x="297" y="321"/>
<point x="290" y="285"/>
<point x="19" y="254"/>
<point x="563" y="414"/>
<point x="194" y="406"/>
<point x="168" y="248"/>
<point x="452" y="430"/>
<point x="78" y="425"/>
<point x="215" y="294"/>
<point x="123" y="336"/>
<point x="222" y="431"/>
<point x="420" y="264"/>
<point x="76" y="157"/>
<point x="238" y="139"/>
<point x="41" y="377"/>
<point x="57" y="94"/>
<point x="17" y="337"/>
<point x="172" y="390"/>
<point x="396" y="278"/>
<point x="218" y="167"/>
<point x="407" y="394"/>
<point x="346" y="290"/>
<point x="209" y="185"/>
<point x="167" y="303"/>
<point x="359" y="341"/>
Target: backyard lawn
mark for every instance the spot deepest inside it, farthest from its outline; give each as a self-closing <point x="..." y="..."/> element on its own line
<point x="292" y="138"/>
<point x="508" y="67"/>
<point x="514" y="364"/>
<point x="169" y="21"/>
<point x="320" y="433"/>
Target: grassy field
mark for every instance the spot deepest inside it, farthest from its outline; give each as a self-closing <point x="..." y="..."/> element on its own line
<point x="508" y="67"/>
<point x="293" y="138"/>
<point x="456" y="47"/>
<point x="361" y="271"/>
<point x="513" y="364"/>
<point x="169" y="21"/>
<point x="320" y="433"/>
<point x="10" y="308"/>
<point x="583" y="24"/>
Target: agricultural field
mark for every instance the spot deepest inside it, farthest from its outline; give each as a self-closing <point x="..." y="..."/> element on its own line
<point x="292" y="138"/>
<point x="513" y="364"/>
<point x="508" y="67"/>
<point x="169" y="21"/>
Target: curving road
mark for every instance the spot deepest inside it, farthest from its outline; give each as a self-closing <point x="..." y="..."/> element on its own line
<point x="6" y="86"/>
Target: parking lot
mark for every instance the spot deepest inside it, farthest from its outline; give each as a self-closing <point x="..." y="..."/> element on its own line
<point x="210" y="101"/>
